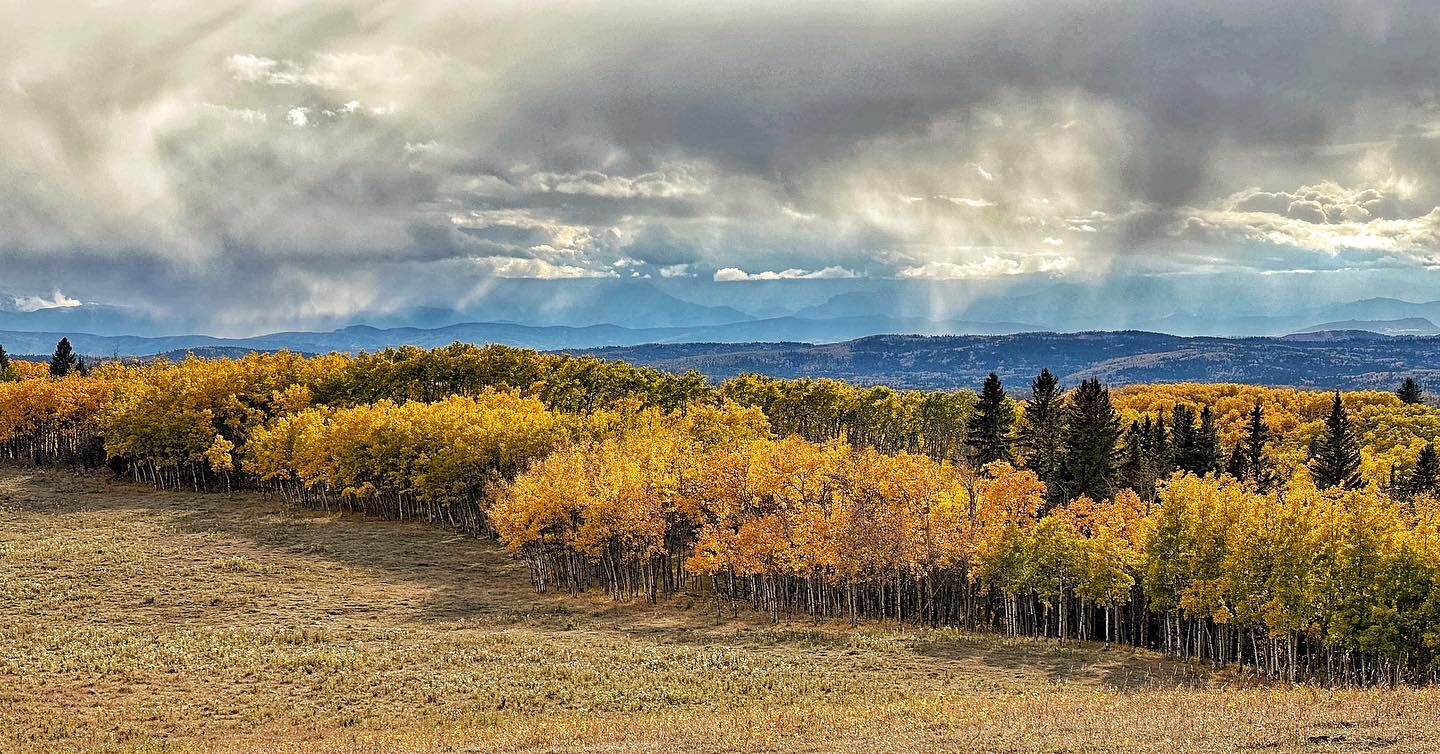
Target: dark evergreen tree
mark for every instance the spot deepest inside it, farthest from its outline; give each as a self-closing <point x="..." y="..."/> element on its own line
<point x="1207" y="455"/>
<point x="1132" y="469"/>
<point x="1425" y="479"/>
<point x="1041" y="435"/>
<point x="1335" y="453"/>
<point x="1238" y="464"/>
<point x="1195" y="448"/>
<point x="81" y="368"/>
<point x="1257" y="436"/>
<point x="1091" y="432"/>
<point x="1182" y="436"/>
<point x="5" y="373"/>
<point x="988" y="432"/>
<point x="1161" y="449"/>
<point x="1141" y="468"/>
<point x="63" y="362"/>
<point x="1410" y="391"/>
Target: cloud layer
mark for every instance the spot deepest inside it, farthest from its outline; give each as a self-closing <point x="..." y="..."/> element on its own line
<point x="260" y="163"/>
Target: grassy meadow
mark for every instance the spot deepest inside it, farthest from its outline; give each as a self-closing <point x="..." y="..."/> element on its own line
<point x="133" y="620"/>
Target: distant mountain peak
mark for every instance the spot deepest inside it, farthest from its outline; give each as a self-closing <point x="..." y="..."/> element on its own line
<point x="1402" y="326"/>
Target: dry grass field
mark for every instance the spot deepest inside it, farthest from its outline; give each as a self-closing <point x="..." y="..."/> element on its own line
<point x="138" y="621"/>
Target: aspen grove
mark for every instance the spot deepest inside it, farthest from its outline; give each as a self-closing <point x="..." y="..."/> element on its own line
<point x="1294" y="533"/>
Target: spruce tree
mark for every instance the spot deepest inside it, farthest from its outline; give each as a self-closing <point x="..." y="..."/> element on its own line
<point x="1425" y="479"/>
<point x="1196" y="449"/>
<point x="1138" y="471"/>
<point x="1257" y="436"/>
<point x="1238" y="464"/>
<point x="1161" y="449"/>
<point x="81" y="368"/>
<point x="5" y="373"/>
<point x="1132" y="469"/>
<point x="63" y="362"/>
<point x="1183" y="441"/>
<point x="1207" y="444"/>
<point x="1040" y="437"/>
<point x="1335" y="453"/>
<point x="1091" y="431"/>
<point x="1410" y="391"/>
<point x="988" y="432"/>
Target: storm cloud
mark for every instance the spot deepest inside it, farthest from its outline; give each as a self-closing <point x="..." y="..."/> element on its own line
<point x="261" y="163"/>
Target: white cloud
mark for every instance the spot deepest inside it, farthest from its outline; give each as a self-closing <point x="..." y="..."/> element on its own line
<point x="989" y="267"/>
<point x="346" y="136"/>
<point x="251" y="68"/>
<point x="57" y="300"/>
<point x="735" y="274"/>
<point x="1325" y="218"/>
<point x="965" y="201"/>
<point x="505" y="267"/>
<point x="330" y="70"/>
<point x="679" y="181"/>
<point x="242" y="114"/>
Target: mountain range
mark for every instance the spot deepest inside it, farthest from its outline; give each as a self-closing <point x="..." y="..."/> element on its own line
<point x="907" y="333"/>
<point x="1353" y="359"/>
<point x="553" y="337"/>
<point x="821" y="310"/>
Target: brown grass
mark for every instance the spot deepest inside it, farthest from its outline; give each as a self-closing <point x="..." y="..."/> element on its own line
<point x="138" y="621"/>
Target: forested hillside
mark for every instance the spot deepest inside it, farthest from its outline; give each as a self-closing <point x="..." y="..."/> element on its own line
<point x="1293" y="533"/>
<point x="1330" y="360"/>
<point x="1353" y="360"/>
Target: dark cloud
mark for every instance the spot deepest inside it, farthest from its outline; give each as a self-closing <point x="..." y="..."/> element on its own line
<point x="208" y="160"/>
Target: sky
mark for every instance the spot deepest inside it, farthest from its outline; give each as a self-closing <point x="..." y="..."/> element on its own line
<point x="258" y="164"/>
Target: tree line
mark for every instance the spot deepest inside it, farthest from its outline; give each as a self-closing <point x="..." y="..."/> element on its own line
<point x="1289" y="531"/>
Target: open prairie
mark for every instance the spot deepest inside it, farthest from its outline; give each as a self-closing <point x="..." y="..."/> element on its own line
<point x="138" y="621"/>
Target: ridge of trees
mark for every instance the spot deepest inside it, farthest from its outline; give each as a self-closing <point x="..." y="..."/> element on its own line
<point x="1311" y="549"/>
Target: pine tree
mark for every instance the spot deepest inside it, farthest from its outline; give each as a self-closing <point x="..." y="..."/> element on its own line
<point x="988" y="431"/>
<point x="5" y="373"/>
<point x="63" y="362"/>
<point x="1091" y="431"/>
<point x="1257" y="435"/>
<point x="1335" y="453"/>
<point x="1410" y="391"/>
<point x="1425" y="479"/>
<point x="1040" y="437"/>
<point x="81" y="368"/>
